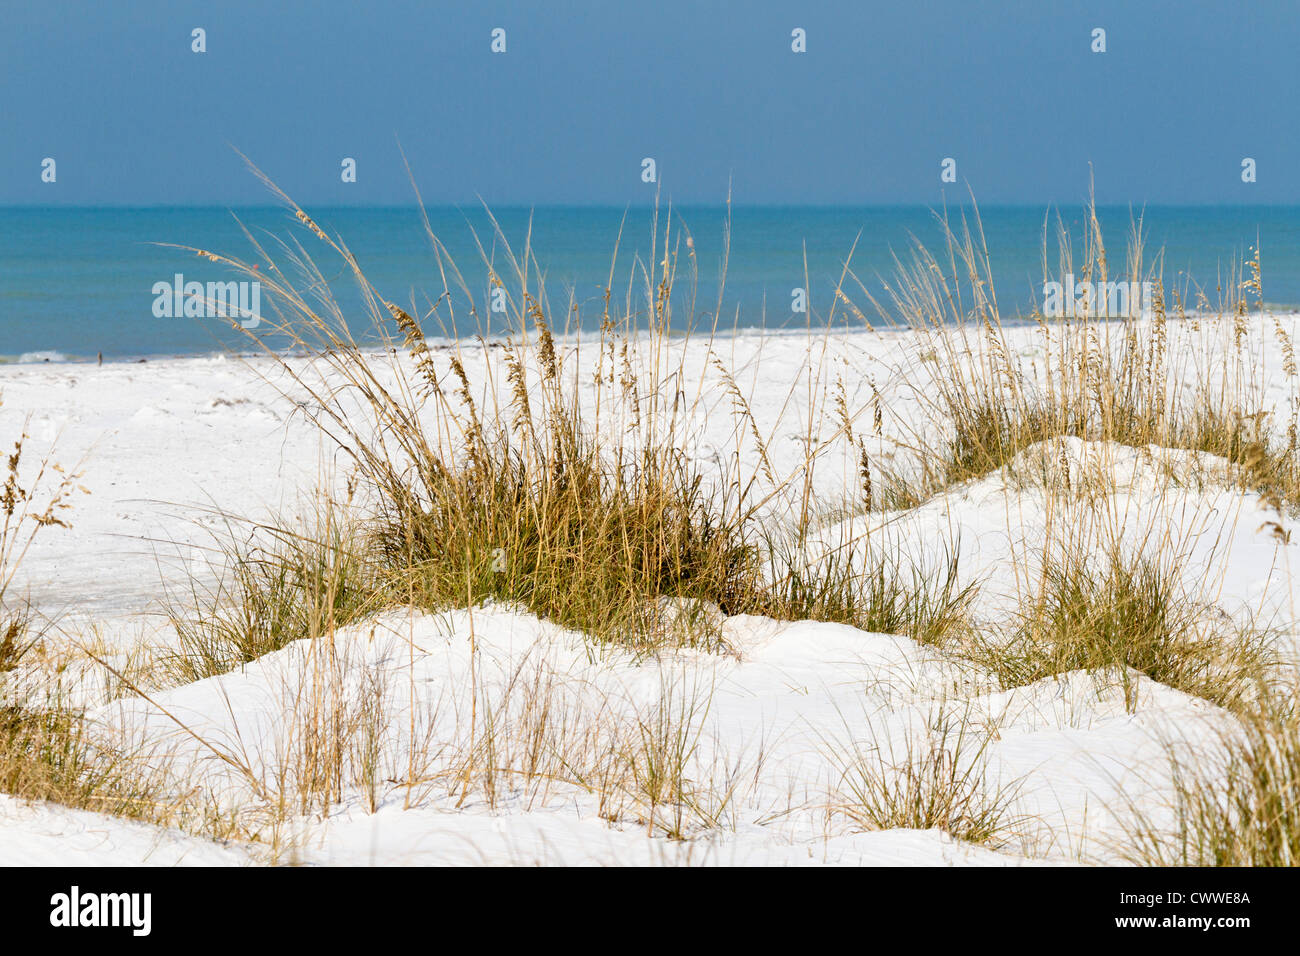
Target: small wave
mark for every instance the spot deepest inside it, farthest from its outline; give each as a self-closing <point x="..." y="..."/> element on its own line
<point x="42" y="357"/>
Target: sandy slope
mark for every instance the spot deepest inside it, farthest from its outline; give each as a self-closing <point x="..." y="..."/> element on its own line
<point x="775" y="730"/>
<point x="50" y="835"/>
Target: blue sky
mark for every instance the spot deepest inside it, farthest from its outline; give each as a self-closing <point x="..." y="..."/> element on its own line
<point x="709" y="88"/>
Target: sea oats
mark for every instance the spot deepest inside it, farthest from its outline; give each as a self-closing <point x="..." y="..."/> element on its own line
<point x="416" y="346"/>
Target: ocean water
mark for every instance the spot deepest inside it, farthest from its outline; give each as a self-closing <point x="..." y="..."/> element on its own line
<point x="77" y="282"/>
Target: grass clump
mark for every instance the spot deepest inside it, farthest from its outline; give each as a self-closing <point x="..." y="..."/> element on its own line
<point x="46" y="754"/>
<point x="928" y="604"/>
<point x="1000" y="385"/>
<point x="530" y="484"/>
<point x="1260" y="461"/>
<point x="31" y="500"/>
<point x="1114" y="616"/>
<point x="1237" y="805"/>
<point x="589" y="543"/>
<point x="287" y="586"/>
<point x="937" y="779"/>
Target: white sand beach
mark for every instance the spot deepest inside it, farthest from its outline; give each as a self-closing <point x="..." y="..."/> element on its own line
<point x="776" y="727"/>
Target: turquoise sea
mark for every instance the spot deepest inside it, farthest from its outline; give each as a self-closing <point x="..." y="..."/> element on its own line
<point x="76" y="282"/>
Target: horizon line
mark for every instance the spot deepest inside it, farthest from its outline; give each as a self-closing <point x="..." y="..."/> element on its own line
<point x="454" y="204"/>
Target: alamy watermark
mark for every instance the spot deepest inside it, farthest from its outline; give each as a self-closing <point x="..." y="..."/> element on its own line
<point x="75" y="908"/>
<point x="215" y="300"/>
<point x="1095" y="300"/>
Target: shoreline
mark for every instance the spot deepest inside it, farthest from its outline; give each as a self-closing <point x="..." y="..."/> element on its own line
<point x="54" y="357"/>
